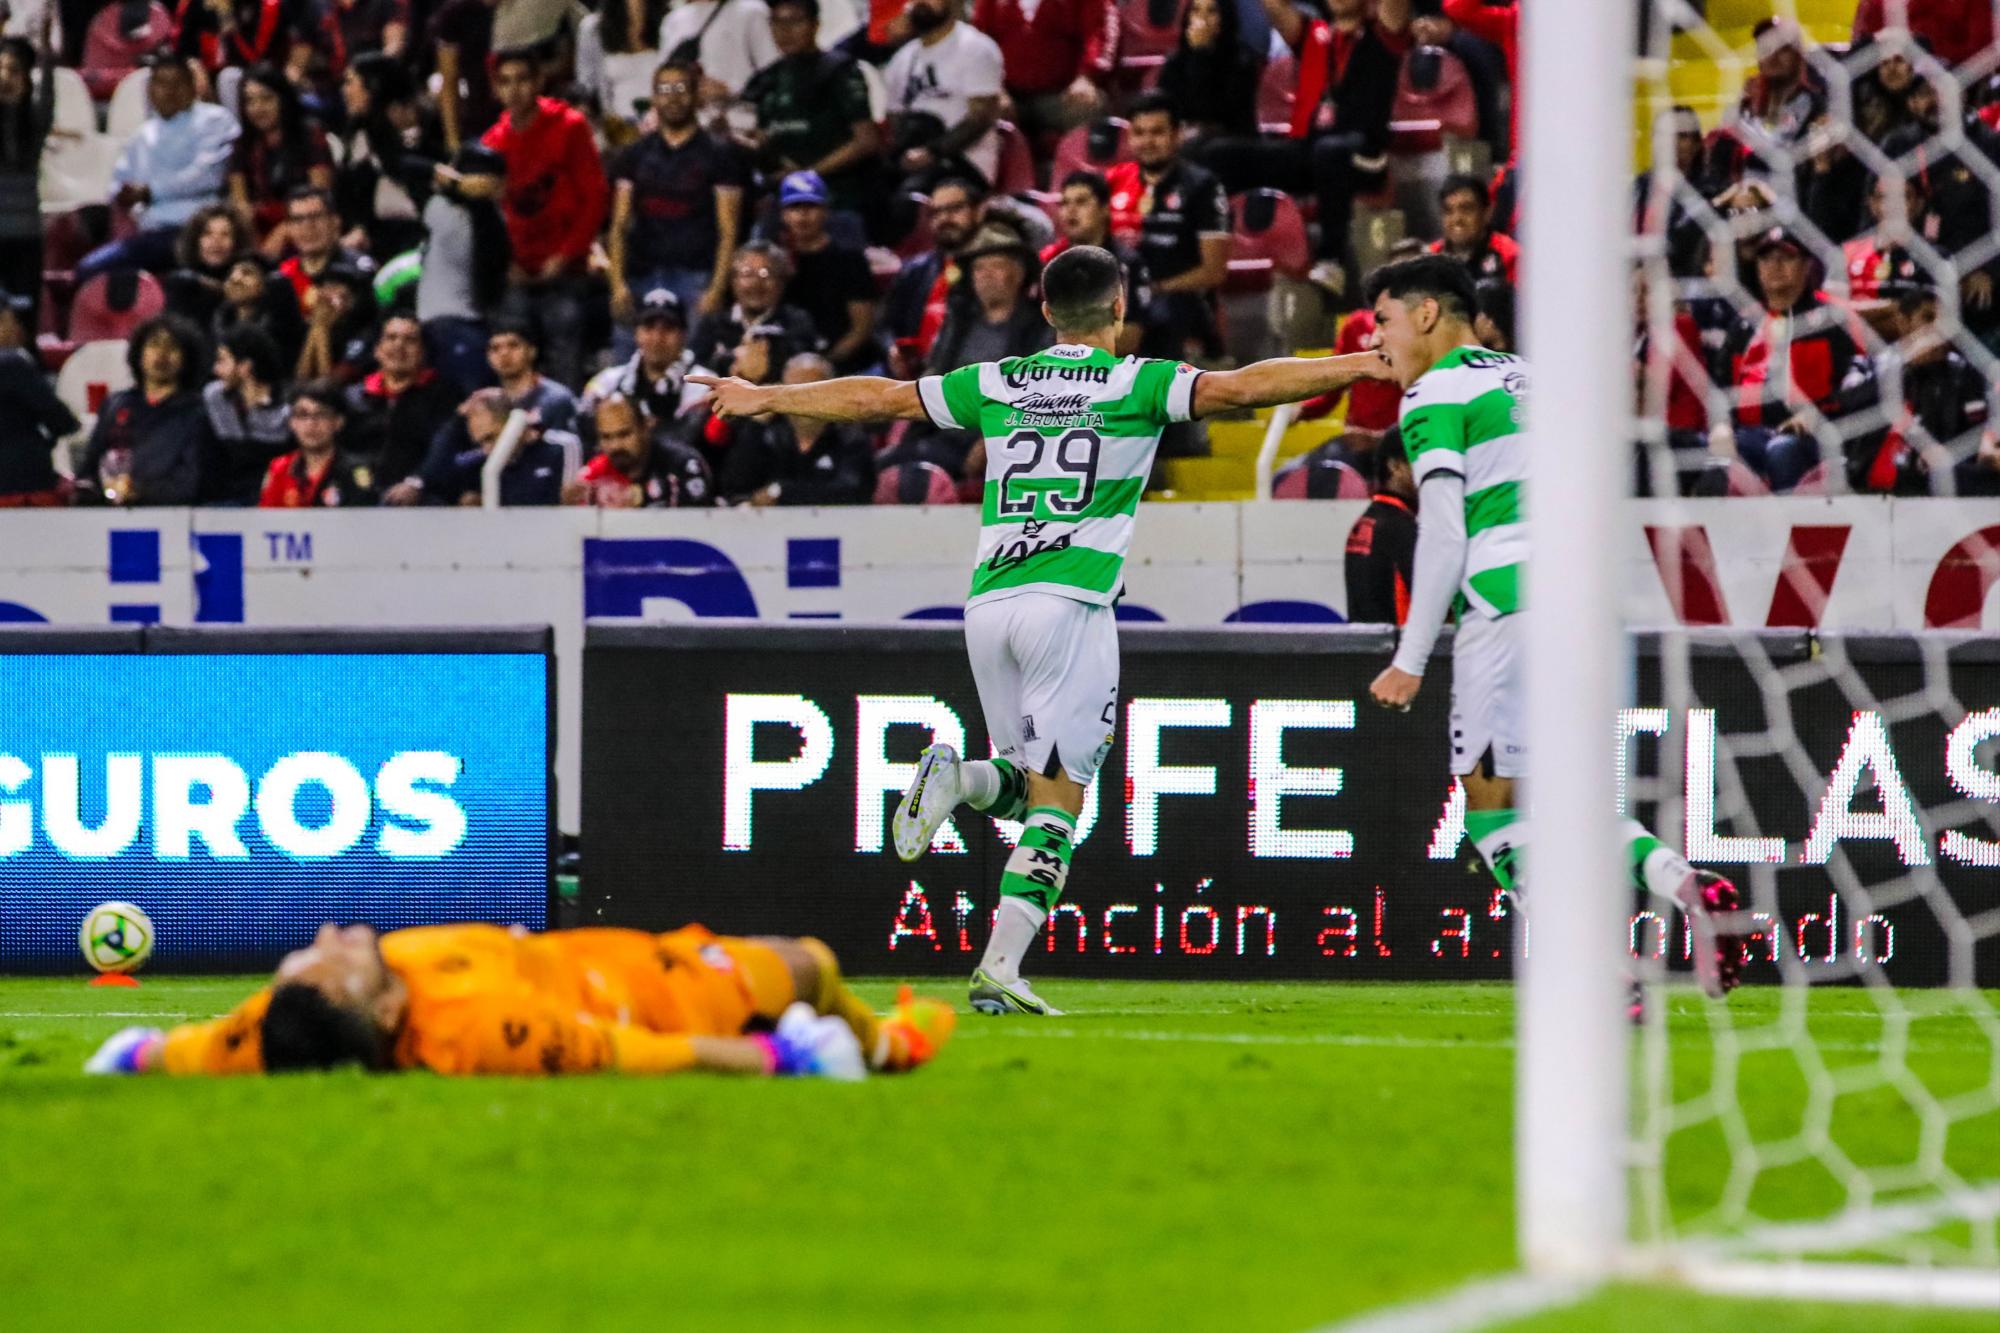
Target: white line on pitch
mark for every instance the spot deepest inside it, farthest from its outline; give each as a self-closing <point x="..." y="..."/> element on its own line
<point x="1476" y="1304"/>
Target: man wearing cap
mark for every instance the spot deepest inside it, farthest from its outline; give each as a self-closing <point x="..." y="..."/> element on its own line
<point x="831" y="282"/>
<point x="1793" y="359"/>
<point x="813" y="112"/>
<point x="676" y="208"/>
<point x="656" y="375"/>
<point x="32" y="418"/>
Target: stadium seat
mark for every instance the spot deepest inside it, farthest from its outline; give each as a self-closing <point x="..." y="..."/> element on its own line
<point x="1275" y="93"/>
<point x="1269" y="238"/>
<point x="76" y="170"/>
<point x="1434" y="98"/>
<point x="917" y="483"/>
<point x="1016" y="174"/>
<point x="129" y="108"/>
<point x="1147" y="31"/>
<point x="111" y="305"/>
<point x="1095" y="146"/>
<point x="92" y="372"/>
<point x="110" y="53"/>
<point x="1320" y="478"/>
<point x="75" y="112"/>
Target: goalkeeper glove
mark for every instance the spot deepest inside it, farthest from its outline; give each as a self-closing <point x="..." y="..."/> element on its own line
<point x="809" y="1044"/>
<point x="129" y="1051"/>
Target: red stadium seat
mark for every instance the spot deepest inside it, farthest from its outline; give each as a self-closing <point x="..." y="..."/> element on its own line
<point x="66" y="239"/>
<point x="1300" y="481"/>
<point x="916" y="483"/>
<point x="1269" y="237"/>
<point x="1017" y="164"/>
<point x="1290" y="485"/>
<point x="1147" y="31"/>
<point x="1433" y="99"/>
<point x="1276" y="91"/>
<point x="111" y="305"/>
<point x="1096" y="147"/>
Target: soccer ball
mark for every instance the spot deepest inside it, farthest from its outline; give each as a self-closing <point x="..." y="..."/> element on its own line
<point x="116" y="937"/>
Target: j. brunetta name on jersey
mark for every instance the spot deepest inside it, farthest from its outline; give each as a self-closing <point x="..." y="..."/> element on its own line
<point x="1054" y="409"/>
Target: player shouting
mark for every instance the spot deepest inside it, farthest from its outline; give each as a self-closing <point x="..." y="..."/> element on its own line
<point x="1461" y="423"/>
<point x="1070" y="434"/>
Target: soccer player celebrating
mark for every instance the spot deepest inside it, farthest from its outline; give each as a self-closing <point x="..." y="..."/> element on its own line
<point x="1070" y="434"/>
<point x="477" y="999"/>
<point x="1461" y="423"/>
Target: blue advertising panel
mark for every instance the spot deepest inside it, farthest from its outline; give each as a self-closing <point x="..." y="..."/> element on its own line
<point x="242" y="798"/>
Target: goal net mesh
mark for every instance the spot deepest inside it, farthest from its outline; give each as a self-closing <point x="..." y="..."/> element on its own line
<point x="1843" y="1106"/>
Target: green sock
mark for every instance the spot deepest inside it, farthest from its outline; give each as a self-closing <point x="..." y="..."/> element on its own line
<point x="1039" y="865"/>
<point x="1499" y="836"/>
<point x="1656" y="867"/>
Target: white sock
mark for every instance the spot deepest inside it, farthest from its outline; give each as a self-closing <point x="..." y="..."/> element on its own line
<point x="979" y="782"/>
<point x="1665" y="871"/>
<point x="1014" y="931"/>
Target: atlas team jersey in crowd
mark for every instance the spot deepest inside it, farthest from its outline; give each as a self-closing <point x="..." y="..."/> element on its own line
<point x="1465" y="415"/>
<point x="1070" y="434"/>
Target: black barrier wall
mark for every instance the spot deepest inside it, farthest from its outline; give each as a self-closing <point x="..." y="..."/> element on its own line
<point x="1257" y="817"/>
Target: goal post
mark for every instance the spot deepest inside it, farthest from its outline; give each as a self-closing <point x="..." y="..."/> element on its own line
<point x="1570" y="1090"/>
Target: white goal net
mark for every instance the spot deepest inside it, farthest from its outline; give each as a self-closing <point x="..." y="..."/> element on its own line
<point x="1813" y="257"/>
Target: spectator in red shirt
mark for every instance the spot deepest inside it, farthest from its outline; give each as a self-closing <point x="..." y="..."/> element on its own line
<point x="278" y="152"/>
<point x="316" y="475"/>
<point x="1957" y="30"/>
<point x="1056" y="56"/>
<point x="554" y="204"/>
<point x="1466" y="212"/>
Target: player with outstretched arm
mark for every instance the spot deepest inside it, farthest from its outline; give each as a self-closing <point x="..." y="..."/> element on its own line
<point x="1461" y="422"/>
<point x="1070" y="435"/>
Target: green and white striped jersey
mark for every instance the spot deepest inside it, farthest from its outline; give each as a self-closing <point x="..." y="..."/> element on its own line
<point x="1070" y="434"/>
<point x="1465" y="415"/>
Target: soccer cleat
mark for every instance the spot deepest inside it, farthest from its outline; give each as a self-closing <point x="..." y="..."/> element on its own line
<point x="1635" y="1004"/>
<point x="913" y="1034"/>
<point x="1721" y="944"/>
<point x="992" y="996"/>
<point x="932" y="796"/>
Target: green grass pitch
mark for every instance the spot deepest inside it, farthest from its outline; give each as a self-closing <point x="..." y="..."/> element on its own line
<point x="1170" y="1156"/>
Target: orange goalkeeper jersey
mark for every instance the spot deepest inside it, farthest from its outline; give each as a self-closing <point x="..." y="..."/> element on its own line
<point x="490" y="1000"/>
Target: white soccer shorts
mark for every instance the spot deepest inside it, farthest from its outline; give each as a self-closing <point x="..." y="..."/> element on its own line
<point x="1489" y="699"/>
<point x="1047" y="671"/>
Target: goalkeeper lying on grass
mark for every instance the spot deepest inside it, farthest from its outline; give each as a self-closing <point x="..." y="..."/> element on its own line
<point x="488" y="1000"/>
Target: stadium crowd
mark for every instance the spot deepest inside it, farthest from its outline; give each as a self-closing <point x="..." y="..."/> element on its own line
<point x="347" y="246"/>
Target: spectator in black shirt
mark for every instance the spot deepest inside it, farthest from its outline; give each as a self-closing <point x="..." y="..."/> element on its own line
<point x="638" y="465"/>
<point x="395" y="413"/>
<point x="246" y="411"/>
<point x="32" y="418"/>
<point x="208" y="247"/>
<point x="253" y="294"/>
<point x="1085" y="215"/>
<point x="146" y="448"/>
<point x="813" y="112"/>
<point x="830" y="282"/>
<point x="1346" y="149"/>
<point x="759" y="278"/>
<point x="790" y="460"/>
<point x="1211" y="77"/>
<point x="219" y="34"/>
<point x="676" y="208"/>
<point x="534" y="476"/>
<point x="1933" y="442"/>
<point x="461" y="34"/>
<point x="1183" y="231"/>
<point x="1382" y="544"/>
